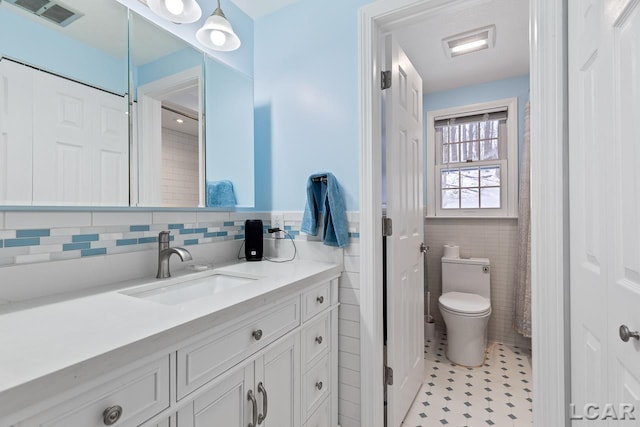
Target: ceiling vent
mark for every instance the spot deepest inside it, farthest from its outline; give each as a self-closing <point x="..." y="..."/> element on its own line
<point x="53" y="11"/>
<point x="470" y="41"/>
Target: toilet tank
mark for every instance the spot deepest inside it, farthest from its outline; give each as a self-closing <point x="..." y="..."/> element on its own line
<point x="471" y="275"/>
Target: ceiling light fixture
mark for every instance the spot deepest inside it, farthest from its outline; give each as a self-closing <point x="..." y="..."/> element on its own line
<point x="180" y="121"/>
<point x="178" y="11"/>
<point x="217" y="33"/>
<point x="470" y="41"/>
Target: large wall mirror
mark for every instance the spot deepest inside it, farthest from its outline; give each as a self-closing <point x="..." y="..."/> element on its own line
<point x="63" y="122"/>
<point x="70" y="136"/>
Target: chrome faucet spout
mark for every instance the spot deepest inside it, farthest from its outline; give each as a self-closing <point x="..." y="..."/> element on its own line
<point x="165" y="252"/>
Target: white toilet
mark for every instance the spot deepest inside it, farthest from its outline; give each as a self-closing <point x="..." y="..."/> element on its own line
<point x="465" y="305"/>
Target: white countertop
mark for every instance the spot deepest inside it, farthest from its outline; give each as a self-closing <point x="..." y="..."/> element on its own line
<point x="58" y="341"/>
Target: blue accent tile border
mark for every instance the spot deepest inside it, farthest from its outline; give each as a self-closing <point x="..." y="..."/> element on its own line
<point x="76" y="246"/>
<point x="14" y="243"/>
<point x="91" y="240"/>
<point x="94" y="252"/>
<point x="45" y="232"/>
<point x="126" y="242"/>
<point x="85" y="238"/>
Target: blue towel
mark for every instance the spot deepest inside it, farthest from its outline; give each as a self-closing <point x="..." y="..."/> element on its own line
<point x="220" y="194"/>
<point x="326" y="196"/>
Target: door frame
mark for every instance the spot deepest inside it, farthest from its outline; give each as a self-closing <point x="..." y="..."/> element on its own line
<point x="549" y="201"/>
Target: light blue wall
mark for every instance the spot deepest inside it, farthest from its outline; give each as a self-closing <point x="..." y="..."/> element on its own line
<point x="306" y="101"/>
<point x="53" y="51"/>
<point x="485" y="92"/>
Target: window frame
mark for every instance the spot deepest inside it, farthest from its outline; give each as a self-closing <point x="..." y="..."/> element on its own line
<point x="509" y="180"/>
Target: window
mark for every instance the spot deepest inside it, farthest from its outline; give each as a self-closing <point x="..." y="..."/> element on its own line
<point x="473" y="161"/>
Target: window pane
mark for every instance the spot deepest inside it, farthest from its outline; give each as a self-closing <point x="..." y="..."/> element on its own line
<point x="450" y="199"/>
<point x="469" y="131"/>
<point x="454" y="134"/>
<point x="469" y="199"/>
<point x="445" y="134"/>
<point x="489" y="150"/>
<point x="490" y="176"/>
<point x="445" y="153"/>
<point x="469" y="151"/>
<point x="469" y="177"/>
<point x="490" y="197"/>
<point x="489" y="129"/>
<point x="451" y="178"/>
<point x="453" y="153"/>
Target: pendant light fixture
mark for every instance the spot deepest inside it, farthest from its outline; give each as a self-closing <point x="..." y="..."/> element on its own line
<point x="217" y="34"/>
<point x="178" y="11"/>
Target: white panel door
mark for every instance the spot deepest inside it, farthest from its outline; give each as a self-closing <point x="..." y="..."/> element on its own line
<point x="604" y="106"/>
<point x="405" y="269"/>
<point x="16" y="133"/>
<point x="110" y="148"/>
<point x="62" y="135"/>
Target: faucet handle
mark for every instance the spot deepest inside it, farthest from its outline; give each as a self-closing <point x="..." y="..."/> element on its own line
<point x="164" y="237"/>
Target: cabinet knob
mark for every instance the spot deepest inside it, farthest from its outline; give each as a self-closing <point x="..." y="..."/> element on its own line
<point x="111" y="415"/>
<point x="320" y="299"/>
<point x="257" y="334"/>
<point x="319" y="339"/>
<point x="319" y="385"/>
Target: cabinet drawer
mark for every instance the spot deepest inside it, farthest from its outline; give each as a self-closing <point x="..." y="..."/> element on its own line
<point x="316" y="337"/>
<point x="322" y="416"/>
<point x="315" y="386"/>
<point x="137" y="396"/>
<point x="315" y="301"/>
<point x="211" y="355"/>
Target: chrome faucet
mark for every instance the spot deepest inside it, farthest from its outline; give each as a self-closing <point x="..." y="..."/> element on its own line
<point x="165" y="252"/>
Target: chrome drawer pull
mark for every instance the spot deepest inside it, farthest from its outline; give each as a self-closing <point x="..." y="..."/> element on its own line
<point x="320" y="299"/>
<point x="265" y="403"/>
<point x="257" y="334"/>
<point x="111" y="415"/>
<point x="319" y="339"/>
<point x="254" y="405"/>
<point x="319" y="385"/>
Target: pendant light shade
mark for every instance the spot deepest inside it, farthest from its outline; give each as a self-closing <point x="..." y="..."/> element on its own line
<point x="178" y="11"/>
<point x="217" y="33"/>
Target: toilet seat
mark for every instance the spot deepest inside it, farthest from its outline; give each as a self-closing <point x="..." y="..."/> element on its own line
<point x="465" y="304"/>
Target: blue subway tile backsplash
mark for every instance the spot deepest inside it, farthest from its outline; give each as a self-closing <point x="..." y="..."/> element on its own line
<point x="93" y="252"/>
<point x="14" y="243"/>
<point x="33" y="233"/>
<point x="75" y="246"/>
<point x="85" y="238"/>
<point x="86" y="241"/>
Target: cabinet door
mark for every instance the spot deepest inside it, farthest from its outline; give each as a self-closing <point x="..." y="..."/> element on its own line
<point x="278" y="384"/>
<point x="226" y="404"/>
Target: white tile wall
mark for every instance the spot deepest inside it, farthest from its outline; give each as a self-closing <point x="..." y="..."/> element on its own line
<point x="26" y="220"/>
<point x="179" y="169"/>
<point x="349" y="338"/>
<point x="495" y="239"/>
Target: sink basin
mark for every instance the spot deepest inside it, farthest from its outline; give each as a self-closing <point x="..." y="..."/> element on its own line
<point x="179" y="293"/>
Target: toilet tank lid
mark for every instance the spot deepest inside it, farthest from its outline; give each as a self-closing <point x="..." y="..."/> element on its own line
<point x="477" y="261"/>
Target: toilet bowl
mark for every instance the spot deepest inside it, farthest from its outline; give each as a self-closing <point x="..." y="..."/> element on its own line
<point x="466" y="317"/>
<point x="465" y="305"/>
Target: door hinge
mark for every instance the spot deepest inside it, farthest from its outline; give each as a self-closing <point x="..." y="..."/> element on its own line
<point x="388" y="375"/>
<point x="385" y="80"/>
<point x="387" y="227"/>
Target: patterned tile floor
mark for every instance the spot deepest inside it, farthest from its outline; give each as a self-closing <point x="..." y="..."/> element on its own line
<point x="499" y="393"/>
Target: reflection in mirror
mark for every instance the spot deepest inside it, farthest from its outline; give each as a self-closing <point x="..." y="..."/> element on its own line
<point x="167" y="116"/>
<point x="230" y="145"/>
<point x="63" y="124"/>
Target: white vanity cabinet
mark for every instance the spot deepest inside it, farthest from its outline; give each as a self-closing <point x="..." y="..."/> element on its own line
<point x="264" y="391"/>
<point x="265" y="362"/>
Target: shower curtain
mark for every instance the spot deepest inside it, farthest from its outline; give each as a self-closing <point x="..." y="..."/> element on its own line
<point x="522" y="293"/>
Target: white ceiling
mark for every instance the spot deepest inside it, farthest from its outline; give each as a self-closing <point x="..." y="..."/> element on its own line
<point x="422" y="42"/>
